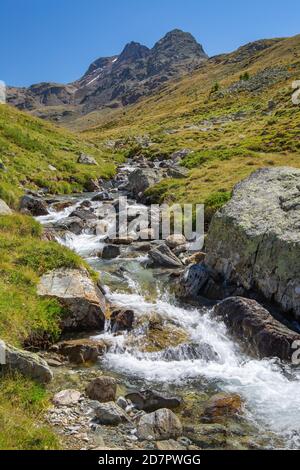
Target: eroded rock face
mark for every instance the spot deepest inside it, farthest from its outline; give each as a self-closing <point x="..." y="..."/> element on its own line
<point x="161" y="424"/>
<point x="26" y="363"/>
<point x="83" y="300"/>
<point x="255" y="327"/>
<point x="254" y="241"/>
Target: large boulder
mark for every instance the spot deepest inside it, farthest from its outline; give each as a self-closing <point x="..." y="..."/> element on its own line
<point x="254" y="241"/>
<point x="159" y="425"/>
<point x="86" y="159"/>
<point x="82" y="299"/>
<point x="26" y="363"/>
<point x="4" y="209"/>
<point x="141" y="179"/>
<point x="33" y="205"/>
<point x="255" y="327"/>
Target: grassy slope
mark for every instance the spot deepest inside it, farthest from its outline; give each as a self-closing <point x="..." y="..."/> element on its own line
<point x="29" y="145"/>
<point x="227" y="152"/>
<point x="25" y="316"/>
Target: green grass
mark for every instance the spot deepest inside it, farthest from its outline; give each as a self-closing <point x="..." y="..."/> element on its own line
<point x="28" y="146"/>
<point x="24" y="257"/>
<point x="22" y="407"/>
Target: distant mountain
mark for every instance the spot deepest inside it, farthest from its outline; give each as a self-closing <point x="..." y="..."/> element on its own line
<point x="118" y="80"/>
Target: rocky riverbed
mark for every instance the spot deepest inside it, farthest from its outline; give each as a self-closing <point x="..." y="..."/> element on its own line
<point x="139" y="367"/>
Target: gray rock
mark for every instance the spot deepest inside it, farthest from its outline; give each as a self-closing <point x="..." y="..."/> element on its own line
<point x="102" y="388"/>
<point x="33" y="205"/>
<point x="103" y="196"/>
<point x="121" y="319"/>
<point x="73" y="224"/>
<point x="258" y="332"/>
<point x="79" y="351"/>
<point x="86" y="159"/>
<point x="83" y="300"/>
<point x="159" y="425"/>
<point x="66" y="397"/>
<point x="150" y="400"/>
<point x="163" y="256"/>
<point x="26" y="363"/>
<point x="254" y="241"/>
<point x="110" y="414"/>
<point x="110" y="251"/>
<point x="4" y="209"/>
<point x="175" y="240"/>
<point x="141" y="179"/>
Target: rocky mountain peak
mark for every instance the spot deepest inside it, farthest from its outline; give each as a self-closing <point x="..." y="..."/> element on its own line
<point x="133" y="51"/>
<point x="179" y="44"/>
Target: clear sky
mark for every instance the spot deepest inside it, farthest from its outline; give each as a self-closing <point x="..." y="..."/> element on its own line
<point x="56" y="40"/>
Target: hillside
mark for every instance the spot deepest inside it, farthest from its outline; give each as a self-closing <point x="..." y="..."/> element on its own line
<point x="35" y="154"/>
<point x="235" y="113"/>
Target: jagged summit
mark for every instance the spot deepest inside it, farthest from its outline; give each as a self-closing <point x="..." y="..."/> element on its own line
<point x="118" y="80"/>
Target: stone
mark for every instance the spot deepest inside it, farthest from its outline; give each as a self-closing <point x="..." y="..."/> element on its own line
<point x="121" y="319"/>
<point x="163" y="256"/>
<point x="151" y="400"/>
<point x="141" y="179"/>
<point x="26" y="363"/>
<point x="86" y="159"/>
<point x="83" y="214"/>
<point x="169" y="445"/>
<point x="92" y="185"/>
<point x="162" y="424"/>
<point x="110" y="414"/>
<point x="79" y="351"/>
<point x="198" y="280"/>
<point x="222" y="405"/>
<point x="121" y="240"/>
<point x="34" y="205"/>
<point x="207" y="436"/>
<point x="146" y="234"/>
<point x="61" y="205"/>
<point x="254" y="240"/>
<point x="195" y="258"/>
<point x="103" y="196"/>
<point x="175" y="240"/>
<point x="66" y="397"/>
<point x="4" y="209"/>
<point x="110" y="251"/>
<point x="258" y="331"/>
<point x="83" y="300"/>
<point x="102" y="388"/>
<point x="72" y="224"/>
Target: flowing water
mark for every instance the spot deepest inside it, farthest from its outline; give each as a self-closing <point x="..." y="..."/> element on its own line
<point x="209" y="360"/>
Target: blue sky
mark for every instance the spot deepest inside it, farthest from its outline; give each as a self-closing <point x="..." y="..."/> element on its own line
<point x="56" y="40"/>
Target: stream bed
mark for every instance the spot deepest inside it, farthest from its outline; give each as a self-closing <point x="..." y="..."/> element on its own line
<point x="193" y="357"/>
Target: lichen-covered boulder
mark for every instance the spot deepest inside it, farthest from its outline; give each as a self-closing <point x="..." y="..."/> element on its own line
<point x="254" y="241"/>
<point x="75" y="290"/>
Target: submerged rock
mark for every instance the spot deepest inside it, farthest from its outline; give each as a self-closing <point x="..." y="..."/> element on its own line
<point x="150" y="400"/>
<point x="83" y="300"/>
<point x="257" y="330"/>
<point x="222" y="405"/>
<point x="121" y="319"/>
<point x="254" y="241"/>
<point x="159" y="425"/>
<point x="102" y="388"/>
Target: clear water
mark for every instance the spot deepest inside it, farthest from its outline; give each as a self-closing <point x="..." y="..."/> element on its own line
<point x="271" y="390"/>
